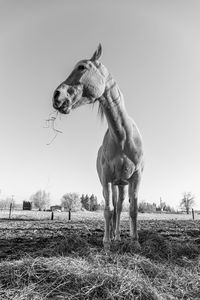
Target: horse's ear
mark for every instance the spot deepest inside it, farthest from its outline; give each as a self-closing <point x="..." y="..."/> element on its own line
<point x="97" y="53"/>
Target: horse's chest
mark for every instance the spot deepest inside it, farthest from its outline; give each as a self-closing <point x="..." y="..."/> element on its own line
<point x="121" y="167"/>
<point x="118" y="161"/>
<point x="121" y="162"/>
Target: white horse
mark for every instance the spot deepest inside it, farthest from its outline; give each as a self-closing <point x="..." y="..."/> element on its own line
<point x="120" y="158"/>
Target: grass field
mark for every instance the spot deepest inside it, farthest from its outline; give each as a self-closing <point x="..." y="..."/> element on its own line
<point x="46" y="215"/>
<point x="43" y="259"/>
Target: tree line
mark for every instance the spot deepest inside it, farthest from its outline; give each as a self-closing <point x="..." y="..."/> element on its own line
<point x="72" y="201"/>
<point x="186" y="204"/>
<point x="41" y="201"/>
<point x="69" y="201"/>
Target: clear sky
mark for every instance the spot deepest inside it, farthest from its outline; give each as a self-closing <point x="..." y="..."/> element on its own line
<point x="152" y="49"/>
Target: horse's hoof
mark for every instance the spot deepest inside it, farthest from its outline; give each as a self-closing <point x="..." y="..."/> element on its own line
<point x="117" y="239"/>
<point x="106" y="247"/>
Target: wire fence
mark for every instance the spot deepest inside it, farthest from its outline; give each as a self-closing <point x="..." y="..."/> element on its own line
<point x="12" y="213"/>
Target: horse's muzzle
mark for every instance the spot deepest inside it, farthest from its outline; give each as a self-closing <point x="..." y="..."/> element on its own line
<point x="61" y="102"/>
<point x="65" y="96"/>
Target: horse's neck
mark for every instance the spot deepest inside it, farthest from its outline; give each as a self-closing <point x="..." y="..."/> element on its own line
<point x="112" y="104"/>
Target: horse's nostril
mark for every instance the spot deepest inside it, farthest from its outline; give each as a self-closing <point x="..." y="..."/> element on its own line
<point x="56" y="101"/>
<point x="56" y="95"/>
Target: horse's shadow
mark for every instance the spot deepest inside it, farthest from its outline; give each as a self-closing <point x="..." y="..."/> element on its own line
<point x="153" y="246"/>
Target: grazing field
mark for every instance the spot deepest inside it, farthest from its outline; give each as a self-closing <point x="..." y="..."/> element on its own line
<point x="46" y="215"/>
<point x="61" y="259"/>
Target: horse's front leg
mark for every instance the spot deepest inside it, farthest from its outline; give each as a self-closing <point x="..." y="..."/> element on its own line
<point x="108" y="214"/>
<point x="114" y="201"/>
<point x="121" y="197"/>
<point x="133" y="198"/>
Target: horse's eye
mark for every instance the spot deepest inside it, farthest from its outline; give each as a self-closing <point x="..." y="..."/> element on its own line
<point x="81" y="67"/>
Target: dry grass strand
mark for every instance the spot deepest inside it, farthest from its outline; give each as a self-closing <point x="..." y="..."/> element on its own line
<point x="50" y="123"/>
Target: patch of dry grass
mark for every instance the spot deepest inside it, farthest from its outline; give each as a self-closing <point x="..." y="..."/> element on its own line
<point x="60" y="260"/>
<point x="99" y="276"/>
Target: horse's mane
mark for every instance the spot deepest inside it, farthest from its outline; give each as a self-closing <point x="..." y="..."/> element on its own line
<point x="100" y="111"/>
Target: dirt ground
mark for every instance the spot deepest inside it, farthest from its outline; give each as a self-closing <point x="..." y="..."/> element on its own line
<point x="19" y="238"/>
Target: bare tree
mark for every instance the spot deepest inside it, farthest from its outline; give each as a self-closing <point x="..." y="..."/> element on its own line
<point x="40" y="199"/>
<point x="71" y="201"/>
<point x="5" y="203"/>
<point x="187" y="201"/>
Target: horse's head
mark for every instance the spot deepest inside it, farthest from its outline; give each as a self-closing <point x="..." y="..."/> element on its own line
<point x="84" y="85"/>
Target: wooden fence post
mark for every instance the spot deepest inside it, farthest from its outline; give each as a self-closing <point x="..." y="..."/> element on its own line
<point x="52" y="215"/>
<point x="10" y="210"/>
<point x="69" y="218"/>
<point x="192" y="214"/>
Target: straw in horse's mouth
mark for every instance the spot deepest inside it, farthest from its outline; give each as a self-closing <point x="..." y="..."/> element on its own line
<point x="63" y="109"/>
